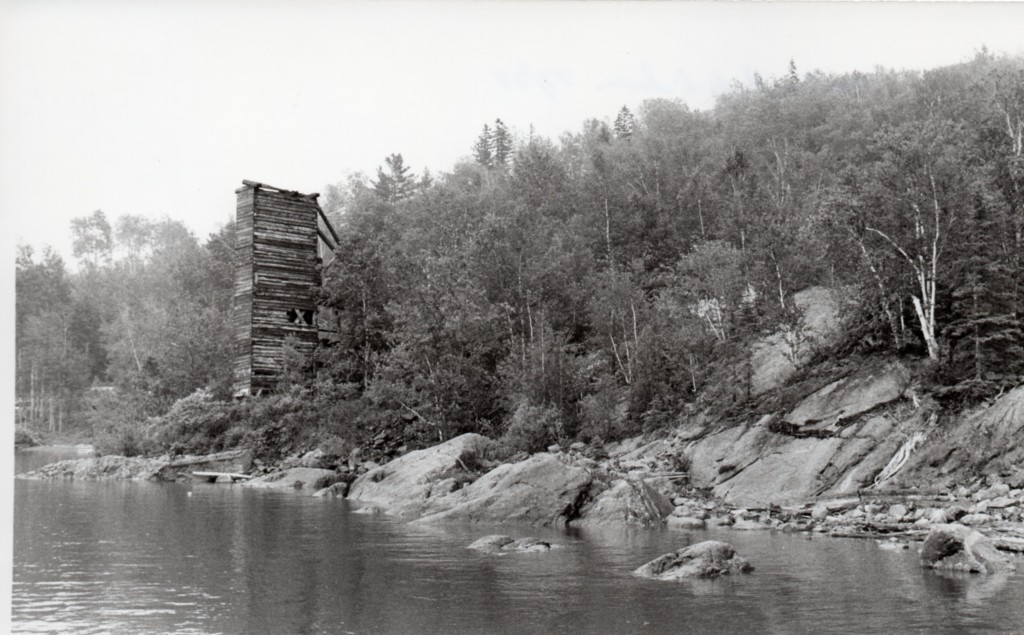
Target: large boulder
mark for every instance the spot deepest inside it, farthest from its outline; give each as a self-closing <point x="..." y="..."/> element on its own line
<point x="708" y="559"/>
<point x="626" y="502"/>
<point x="299" y="478"/>
<point x="954" y="547"/>
<point x="405" y="486"/>
<point x="541" y="490"/>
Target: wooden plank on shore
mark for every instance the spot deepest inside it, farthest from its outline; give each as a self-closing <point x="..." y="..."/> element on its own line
<point x="234" y="475"/>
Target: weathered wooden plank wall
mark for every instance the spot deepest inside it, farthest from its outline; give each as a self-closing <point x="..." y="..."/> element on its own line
<point x="276" y="282"/>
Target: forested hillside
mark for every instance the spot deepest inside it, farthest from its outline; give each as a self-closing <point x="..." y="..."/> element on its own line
<point x="590" y="287"/>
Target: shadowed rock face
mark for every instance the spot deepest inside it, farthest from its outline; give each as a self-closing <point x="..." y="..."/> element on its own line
<point x="630" y="502"/>
<point x="954" y="547"/>
<point x="708" y="559"/>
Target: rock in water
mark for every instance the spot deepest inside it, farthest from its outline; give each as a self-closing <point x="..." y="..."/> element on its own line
<point x="540" y="490"/>
<point x="954" y="547"/>
<point x="308" y="478"/>
<point x="409" y="483"/>
<point x="626" y="502"/>
<point x="708" y="559"/>
<point x="506" y="544"/>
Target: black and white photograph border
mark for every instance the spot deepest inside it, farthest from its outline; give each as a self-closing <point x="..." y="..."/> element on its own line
<point x="512" y="317"/>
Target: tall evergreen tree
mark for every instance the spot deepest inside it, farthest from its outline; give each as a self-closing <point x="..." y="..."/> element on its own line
<point x="625" y="124"/>
<point x="985" y="336"/>
<point x="483" y="149"/>
<point x="398" y="183"/>
<point x="502" y="144"/>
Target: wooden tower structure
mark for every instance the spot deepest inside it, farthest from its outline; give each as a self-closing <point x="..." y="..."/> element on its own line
<point x="277" y="280"/>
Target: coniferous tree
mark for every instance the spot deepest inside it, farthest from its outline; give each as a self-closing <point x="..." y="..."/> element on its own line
<point x="398" y="183"/>
<point x="502" y="144"/>
<point x="483" y="148"/>
<point x="625" y="124"/>
<point x="985" y="336"/>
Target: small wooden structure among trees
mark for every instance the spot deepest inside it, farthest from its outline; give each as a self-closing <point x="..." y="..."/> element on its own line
<point x="277" y="281"/>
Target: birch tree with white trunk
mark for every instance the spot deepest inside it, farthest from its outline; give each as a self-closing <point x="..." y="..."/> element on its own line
<point x="918" y="189"/>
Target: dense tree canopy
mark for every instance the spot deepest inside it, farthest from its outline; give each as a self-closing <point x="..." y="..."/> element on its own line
<point x="606" y="282"/>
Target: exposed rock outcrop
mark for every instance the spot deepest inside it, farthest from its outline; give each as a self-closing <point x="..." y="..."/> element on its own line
<point x="140" y="469"/>
<point x="777" y="357"/>
<point x="954" y="547"/>
<point x="406" y="485"/>
<point x="826" y="409"/>
<point x="451" y="482"/>
<point x="104" y="467"/>
<point x="708" y="559"/>
<point x="541" y="490"/>
<point x="756" y="465"/>
<point x="982" y="441"/>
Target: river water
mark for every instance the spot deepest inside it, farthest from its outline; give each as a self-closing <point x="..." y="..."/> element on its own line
<point x="128" y="557"/>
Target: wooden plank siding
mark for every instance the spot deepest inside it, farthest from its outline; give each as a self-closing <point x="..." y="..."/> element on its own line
<point x="277" y="273"/>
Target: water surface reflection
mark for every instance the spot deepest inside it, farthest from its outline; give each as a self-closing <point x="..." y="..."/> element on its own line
<point x="149" y="558"/>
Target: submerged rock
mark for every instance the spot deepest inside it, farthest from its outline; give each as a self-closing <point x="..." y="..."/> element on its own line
<point x="507" y="544"/>
<point x="954" y="547"/>
<point x="708" y="559"/>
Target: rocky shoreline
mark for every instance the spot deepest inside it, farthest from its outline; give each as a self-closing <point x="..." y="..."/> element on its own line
<point x="863" y="456"/>
<point x="457" y="481"/>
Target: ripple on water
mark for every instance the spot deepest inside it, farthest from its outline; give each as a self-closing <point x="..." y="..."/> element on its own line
<point x="145" y="558"/>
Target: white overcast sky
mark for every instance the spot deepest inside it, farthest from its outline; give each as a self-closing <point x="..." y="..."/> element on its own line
<point x="162" y="108"/>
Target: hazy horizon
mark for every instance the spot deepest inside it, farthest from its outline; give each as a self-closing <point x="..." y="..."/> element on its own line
<point x="158" y="109"/>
